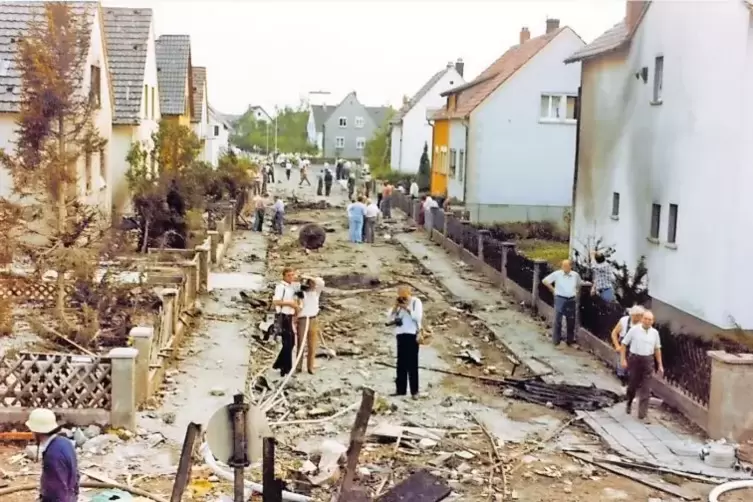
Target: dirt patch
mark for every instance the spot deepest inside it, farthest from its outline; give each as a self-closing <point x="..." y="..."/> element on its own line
<point x="349" y="282"/>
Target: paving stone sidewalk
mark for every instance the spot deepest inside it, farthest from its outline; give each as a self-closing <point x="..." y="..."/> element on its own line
<point x="526" y="339"/>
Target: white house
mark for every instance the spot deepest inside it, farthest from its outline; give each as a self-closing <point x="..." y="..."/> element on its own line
<point x="218" y="135"/>
<point x="94" y="171"/>
<point x="410" y="128"/>
<point x="505" y="142"/>
<point x="200" y="112"/>
<point x="665" y="154"/>
<point x="318" y="115"/>
<point x="133" y="68"/>
<point x="260" y="114"/>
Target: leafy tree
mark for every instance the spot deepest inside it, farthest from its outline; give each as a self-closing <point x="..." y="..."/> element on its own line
<point x="377" y="149"/>
<point x="424" y="170"/>
<point x="292" y="137"/>
<point x="175" y="146"/>
<point x="55" y="129"/>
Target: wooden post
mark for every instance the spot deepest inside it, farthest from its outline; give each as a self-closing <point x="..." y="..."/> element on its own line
<point x="183" y="475"/>
<point x="506" y="248"/>
<point x="272" y="486"/>
<point x="481" y="234"/>
<point x="356" y="442"/>
<point x="240" y="460"/>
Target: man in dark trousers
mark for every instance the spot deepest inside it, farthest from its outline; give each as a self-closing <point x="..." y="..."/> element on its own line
<point x="60" y="479"/>
<point x="406" y="316"/>
<point x="640" y="349"/>
<point x="328" y="178"/>
<point x="287" y="305"/>
<point x="339" y="169"/>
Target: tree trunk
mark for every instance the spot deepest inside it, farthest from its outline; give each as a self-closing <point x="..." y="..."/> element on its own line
<point x="145" y="243"/>
<point x="62" y="217"/>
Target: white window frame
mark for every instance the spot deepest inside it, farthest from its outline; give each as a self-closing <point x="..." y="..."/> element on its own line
<point x="360" y="143"/>
<point x="453" y="163"/>
<point x="342" y="122"/>
<point x="340" y="142"/>
<point x="360" y="122"/>
<point x="461" y="164"/>
<point x="658" y="88"/>
<point x="556" y="114"/>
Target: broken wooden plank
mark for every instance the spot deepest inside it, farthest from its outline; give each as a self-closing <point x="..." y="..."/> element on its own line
<point x="641" y="478"/>
<point x="421" y="486"/>
<point x="183" y="476"/>
<point x="355" y="494"/>
<point x="356" y="440"/>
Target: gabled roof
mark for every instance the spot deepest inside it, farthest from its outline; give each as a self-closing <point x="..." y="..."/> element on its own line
<point x="472" y="94"/>
<point x="15" y="18"/>
<point x="127" y="33"/>
<point x="217" y="116"/>
<point x="379" y="113"/>
<point x="199" y="86"/>
<point x="173" y="64"/>
<point x="321" y="114"/>
<point x="423" y="91"/>
<point x="613" y="39"/>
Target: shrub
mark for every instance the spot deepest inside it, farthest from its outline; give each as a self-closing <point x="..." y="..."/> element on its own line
<point x="522" y="230"/>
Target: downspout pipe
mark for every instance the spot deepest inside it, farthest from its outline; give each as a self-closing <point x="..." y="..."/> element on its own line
<point x="466" y="123"/>
<point x="577" y="156"/>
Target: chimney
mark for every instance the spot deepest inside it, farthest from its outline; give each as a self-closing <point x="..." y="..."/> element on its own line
<point x="633" y="10"/>
<point x="525" y="35"/>
<point x="552" y="25"/>
<point x="460" y="66"/>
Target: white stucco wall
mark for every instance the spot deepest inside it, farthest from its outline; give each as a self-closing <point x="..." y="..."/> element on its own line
<point x="216" y="144"/>
<point x="693" y="150"/>
<point x="396" y="137"/>
<point x="311" y="129"/>
<point x="416" y="130"/>
<point x="522" y="167"/>
<point x="101" y="194"/>
<point x="456" y="184"/>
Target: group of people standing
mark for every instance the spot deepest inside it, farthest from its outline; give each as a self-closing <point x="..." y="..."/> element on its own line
<point x="363" y="215"/>
<point x="260" y="205"/>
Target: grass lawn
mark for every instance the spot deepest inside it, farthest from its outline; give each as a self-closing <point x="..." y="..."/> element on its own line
<point x="537" y="249"/>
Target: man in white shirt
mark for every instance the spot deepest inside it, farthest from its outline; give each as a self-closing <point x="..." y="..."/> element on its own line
<point x="279" y="213"/>
<point x="565" y="285"/>
<point x="308" y="324"/>
<point x="406" y="316"/>
<point x="288" y="168"/>
<point x="633" y="318"/>
<point x="643" y="344"/>
<point x="287" y="306"/>
<point x="369" y="222"/>
<point x="413" y="192"/>
<point x="429" y="205"/>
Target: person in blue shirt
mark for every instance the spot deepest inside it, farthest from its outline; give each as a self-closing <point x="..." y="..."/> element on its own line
<point x="406" y="316"/>
<point x="60" y="478"/>
<point x="356" y="214"/>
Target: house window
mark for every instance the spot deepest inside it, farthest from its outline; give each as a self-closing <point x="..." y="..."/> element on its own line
<point x="153" y="115"/>
<point x="340" y="142"/>
<point x="655" y="220"/>
<point x="672" y="230"/>
<point x="95" y="91"/>
<point x="88" y="172"/>
<point x="551" y="107"/>
<point x="360" y="143"/>
<point x="102" y="168"/>
<point x="658" y="78"/>
<point x="343" y="121"/>
<point x="571" y="113"/>
<point x="359" y="122"/>
<point x="453" y="162"/>
<point x="615" y="204"/>
<point x="146" y="101"/>
<point x="461" y="163"/>
<point x="216" y="131"/>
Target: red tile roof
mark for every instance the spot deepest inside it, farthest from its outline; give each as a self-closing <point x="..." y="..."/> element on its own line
<point x="472" y="94"/>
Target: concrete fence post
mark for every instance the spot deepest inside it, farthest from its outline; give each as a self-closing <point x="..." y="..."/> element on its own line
<point x="445" y="215"/>
<point x="507" y="247"/>
<point x="191" y="287"/>
<point x="482" y="234"/>
<point x="142" y="337"/>
<point x="730" y="406"/>
<point x="214" y="241"/>
<point x="123" y="399"/>
<point x="203" y="251"/>
<point x="170" y="309"/>
<point x="538" y="265"/>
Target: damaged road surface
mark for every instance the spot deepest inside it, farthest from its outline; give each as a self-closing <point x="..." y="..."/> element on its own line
<point x="565" y="396"/>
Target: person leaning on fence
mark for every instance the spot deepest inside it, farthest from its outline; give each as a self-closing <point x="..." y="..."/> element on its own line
<point x="60" y="479"/>
<point x="640" y="347"/>
<point x="635" y="314"/>
<point x="602" y="275"/>
<point x="564" y="285"/>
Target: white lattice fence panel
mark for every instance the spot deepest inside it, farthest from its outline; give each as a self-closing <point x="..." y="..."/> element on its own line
<point x="33" y="380"/>
<point x="28" y="290"/>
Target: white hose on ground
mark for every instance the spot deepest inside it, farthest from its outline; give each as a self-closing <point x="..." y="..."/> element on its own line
<point x="267" y="405"/>
<point x="250" y="485"/>
<point x="728" y="487"/>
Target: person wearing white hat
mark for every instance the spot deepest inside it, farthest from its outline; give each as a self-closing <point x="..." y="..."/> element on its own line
<point x="60" y="479"/>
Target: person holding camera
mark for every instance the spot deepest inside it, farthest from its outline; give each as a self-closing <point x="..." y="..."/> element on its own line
<point x="307" y="322"/>
<point x="406" y="316"/>
<point x="287" y="307"/>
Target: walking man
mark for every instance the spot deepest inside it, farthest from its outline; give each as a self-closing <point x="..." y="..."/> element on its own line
<point x="406" y="316"/>
<point x="643" y="344"/>
<point x="308" y="324"/>
<point x="356" y="213"/>
<point x="320" y="183"/>
<point x="369" y="223"/>
<point x="287" y="307"/>
<point x="270" y="173"/>
<point x="564" y="284"/>
<point x="339" y="169"/>
<point x="288" y="168"/>
<point x="304" y="173"/>
<point x="259" y="210"/>
<point x="60" y="479"/>
<point x="279" y="213"/>
<point x="351" y="184"/>
<point x="328" y="178"/>
<point x="429" y="205"/>
<point x="413" y="191"/>
<point x="386" y="206"/>
<point x="635" y="314"/>
<point x="602" y="275"/>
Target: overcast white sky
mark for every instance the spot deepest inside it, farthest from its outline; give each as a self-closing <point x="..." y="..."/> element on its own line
<point x="274" y="52"/>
